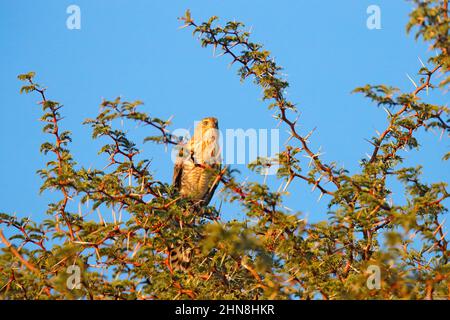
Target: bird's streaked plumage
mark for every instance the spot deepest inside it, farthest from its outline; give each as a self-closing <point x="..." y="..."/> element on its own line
<point x="195" y="177"/>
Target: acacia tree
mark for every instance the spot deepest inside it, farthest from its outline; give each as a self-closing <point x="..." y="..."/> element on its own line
<point x="272" y="253"/>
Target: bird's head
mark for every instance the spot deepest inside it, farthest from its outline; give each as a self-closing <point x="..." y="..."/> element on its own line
<point x="209" y="122"/>
<point x="205" y="142"/>
<point x="206" y="130"/>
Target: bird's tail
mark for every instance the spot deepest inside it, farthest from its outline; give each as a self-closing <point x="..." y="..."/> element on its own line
<point x="180" y="257"/>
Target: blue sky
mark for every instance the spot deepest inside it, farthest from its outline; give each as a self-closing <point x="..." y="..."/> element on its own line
<point x="135" y="49"/>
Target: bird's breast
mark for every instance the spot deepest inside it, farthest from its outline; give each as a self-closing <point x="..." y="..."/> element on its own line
<point x="196" y="181"/>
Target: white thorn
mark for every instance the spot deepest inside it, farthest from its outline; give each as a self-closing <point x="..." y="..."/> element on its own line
<point x="423" y="65"/>
<point x="415" y="85"/>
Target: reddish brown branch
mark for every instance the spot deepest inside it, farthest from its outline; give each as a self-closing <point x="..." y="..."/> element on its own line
<point x="13" y="250"/>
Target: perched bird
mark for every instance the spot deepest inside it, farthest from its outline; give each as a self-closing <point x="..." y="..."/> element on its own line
<point x="195" y="177"/>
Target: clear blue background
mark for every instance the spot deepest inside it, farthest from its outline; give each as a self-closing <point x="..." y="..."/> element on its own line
<point x="135" y="49"/>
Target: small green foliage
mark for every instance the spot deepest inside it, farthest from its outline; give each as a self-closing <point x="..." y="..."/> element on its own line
<point x="430" y="20"/>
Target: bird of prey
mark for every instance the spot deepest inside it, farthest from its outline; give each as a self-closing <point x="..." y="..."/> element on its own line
<point x="195" y="177"/>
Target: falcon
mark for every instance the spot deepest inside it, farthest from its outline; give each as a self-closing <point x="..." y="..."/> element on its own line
<point x="195" y="177"/>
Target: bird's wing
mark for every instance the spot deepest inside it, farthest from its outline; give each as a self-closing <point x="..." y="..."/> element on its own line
<point x="178" y="171"/>
<point x="208" y="196"/>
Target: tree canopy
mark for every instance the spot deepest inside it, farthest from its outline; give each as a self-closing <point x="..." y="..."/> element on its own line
<point x="272" y="253"/>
